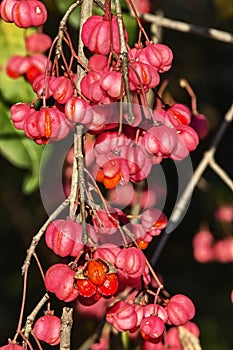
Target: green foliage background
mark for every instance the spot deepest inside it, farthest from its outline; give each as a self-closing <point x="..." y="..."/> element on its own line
<point x="208" y="66"/>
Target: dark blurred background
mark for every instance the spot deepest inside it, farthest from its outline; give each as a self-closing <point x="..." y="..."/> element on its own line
<point x="208" y="66"/>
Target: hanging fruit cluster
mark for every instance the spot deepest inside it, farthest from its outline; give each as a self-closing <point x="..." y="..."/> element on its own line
<point x="125" y="137"/>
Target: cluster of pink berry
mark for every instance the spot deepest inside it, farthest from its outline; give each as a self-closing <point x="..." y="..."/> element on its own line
<point x="106" y="270"/>
<point x="166" y="135"/>
<point x="34" y="62"/>
<point x="117" y="159"/>
<point x="207" y="248"/>
<point x="25" y="14"/>
<point x="149" y="320"/>
<point x="106" y="261"/>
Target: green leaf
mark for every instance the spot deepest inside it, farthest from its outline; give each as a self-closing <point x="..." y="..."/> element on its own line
<point x="31" y="180"/>
<point x="12" y="43"/>
<point x="19" y="150"/>
<point x="74" y="19"/>
<point x="131" y="27"/>
<point x="11" y="145"/>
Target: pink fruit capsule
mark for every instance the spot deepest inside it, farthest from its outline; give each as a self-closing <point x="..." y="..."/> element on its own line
<point x="97" y="35"/>
<point x="62" y="89"/>
<point x="152" y="328"/>
<point x="180" y="309"/>
<point x="6" y="10"/>
<point x="47" y="328"/>
<point x="29" y="13"/>
<point x="59" y="279"/>
<point x="38" y="42"/>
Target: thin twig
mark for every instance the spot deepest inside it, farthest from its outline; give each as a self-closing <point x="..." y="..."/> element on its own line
<point x="39" y="265"/>
<point x="62" y="26"/>
<point x="86" y="345"/>
<point x="189" y="28"/>
<point x="103" y="329"/>
<point x="37" y="237"/>
<point x="185" y="84"/>
<point x="156" y="29"/>
<point x="19" y="326"/>
<point x="27" y="344"/>
<point x="132" y="6"/>
<point x="124" y="59"/>
<point x="86" y="12"/>
<point x="99" y="4"/>
<point x="81" y="180"/>
<point x="31" y="318"/>
<point x="74" y="184"/>
<point x="36" y="340"/>
<point x="181" y="204"/>
<point x="66" y="326"/>
<point x="221" y="173"/>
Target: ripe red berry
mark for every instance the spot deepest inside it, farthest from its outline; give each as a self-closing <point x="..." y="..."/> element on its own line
<point x="105" y="223"/>
<point x="37" y="65"/>
<point x="96" y="271"/>
<point x="203" y="246"/>
<point x="47" y="328"/>
<point x="111" y="182"/>
<point x="192" y="328"/>
<point x="223" y="250"/>
<point x="85" y="287"/>
<point x="224" y="213"/>
<point x="110" y="285"/>
<point x="29" y="66"/>
<point x="110" y="82"/>
<point x="142" y="244"/>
